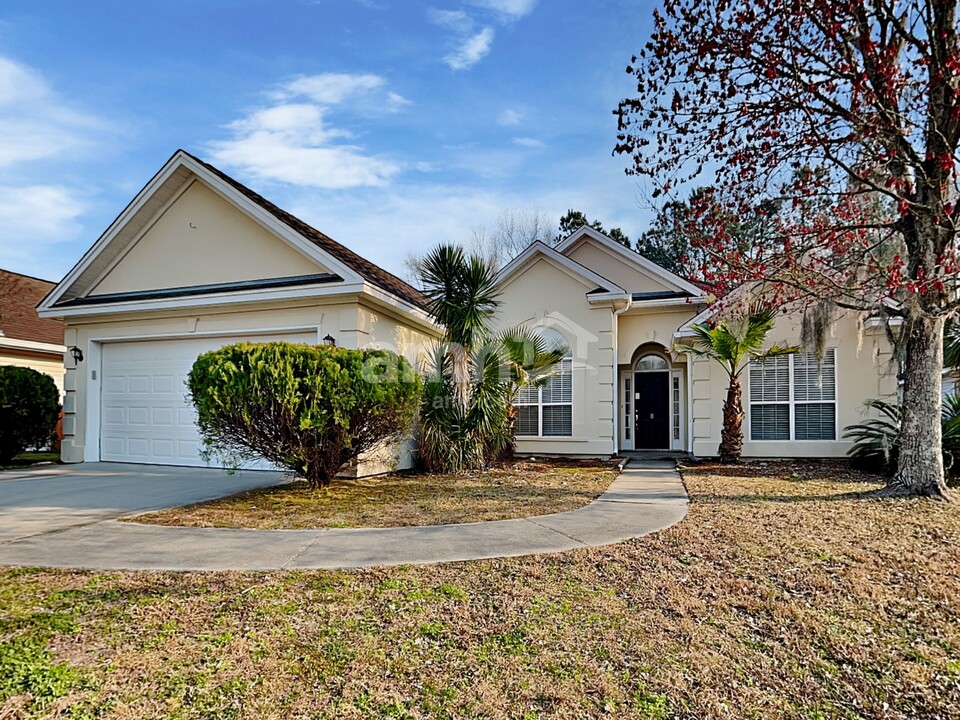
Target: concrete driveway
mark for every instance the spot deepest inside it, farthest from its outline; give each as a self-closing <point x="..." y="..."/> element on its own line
<point x="53" y="498"/>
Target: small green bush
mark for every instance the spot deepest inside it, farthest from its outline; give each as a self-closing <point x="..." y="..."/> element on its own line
<point x="29" y="409"/>
<point x="309" y="409"/>
<point x="876" y="441"/>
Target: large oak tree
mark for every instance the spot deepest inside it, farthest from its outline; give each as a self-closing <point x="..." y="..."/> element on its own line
<point x="846" y="114"/>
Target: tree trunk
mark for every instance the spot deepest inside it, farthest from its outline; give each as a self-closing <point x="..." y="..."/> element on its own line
<point x="731" y="437"/>
<point x="920" y="468"/>
<point x="460" y="367"/>
<point x="510" y="450"/>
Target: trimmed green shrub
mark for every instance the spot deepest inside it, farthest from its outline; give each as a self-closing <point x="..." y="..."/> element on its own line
<point x="309" y="409"/>
<point x="29" y="409"/>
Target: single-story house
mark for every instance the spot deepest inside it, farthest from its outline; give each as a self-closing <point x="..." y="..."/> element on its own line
<point x="627" y="384"/>
<point x="197" y="261"/>
<point x="26" y="339"/>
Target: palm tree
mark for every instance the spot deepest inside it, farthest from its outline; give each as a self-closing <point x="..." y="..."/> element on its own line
<point x="528" y="362"/>
<point x="734" y="344"/>
<point x="473" y="377"/>
<point x="462" y="293"/>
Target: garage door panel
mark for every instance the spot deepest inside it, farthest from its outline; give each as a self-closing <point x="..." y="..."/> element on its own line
<point x="146" y="415"/>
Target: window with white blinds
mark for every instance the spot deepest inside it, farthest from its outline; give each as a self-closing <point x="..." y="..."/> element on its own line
<point x="548" y="411"/>
<point x="792" y="397"/>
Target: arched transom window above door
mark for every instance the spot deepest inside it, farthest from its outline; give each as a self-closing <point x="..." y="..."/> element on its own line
<point x="651" y="362"/>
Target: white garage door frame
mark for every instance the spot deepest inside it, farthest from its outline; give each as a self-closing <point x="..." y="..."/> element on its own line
<point x="93" y="356"/>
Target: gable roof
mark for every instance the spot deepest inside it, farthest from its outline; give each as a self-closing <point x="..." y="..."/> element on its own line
<point x="19" y="296"/>
<point x="638" y="261"/>
<point x="373" y="274"/>
<point x="164" y="186"/>
<point x="603" y="287"/>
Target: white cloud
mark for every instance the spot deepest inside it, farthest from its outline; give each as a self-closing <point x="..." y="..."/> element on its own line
<point x="510" y="117"/>
<point x="470" y="45"/>
<point x="33" y="218"/>
<point x="292" y="141"/>
<point x="329" y="88"/>
<point x="43" y="212"/>
<point x="507" y="9"/>
<point x="34" y="122"/>
<point x="456" y="20"/>
<point x="396" y="101"/>
<point x="471" y="51"/>
<point x="528" y="142"/>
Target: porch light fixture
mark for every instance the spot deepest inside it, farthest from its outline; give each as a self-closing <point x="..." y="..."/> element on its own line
<point x="76" y="353"/>
<point x="330" y="340"/>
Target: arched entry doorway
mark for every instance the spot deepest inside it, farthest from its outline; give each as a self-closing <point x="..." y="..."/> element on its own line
<point x="651" y="402"/>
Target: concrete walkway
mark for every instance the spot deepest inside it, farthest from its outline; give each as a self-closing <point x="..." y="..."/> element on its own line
<point x="646" y="497"/>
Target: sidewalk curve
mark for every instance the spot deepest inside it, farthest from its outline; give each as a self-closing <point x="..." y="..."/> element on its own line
<point x="646" y="497"/>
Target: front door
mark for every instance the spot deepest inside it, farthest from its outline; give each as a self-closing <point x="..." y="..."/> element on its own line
<point x="652" y="403"/>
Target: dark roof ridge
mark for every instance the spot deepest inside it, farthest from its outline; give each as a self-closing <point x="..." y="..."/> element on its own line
<point x="369" y="271"/>
<point x="29" y="277"/>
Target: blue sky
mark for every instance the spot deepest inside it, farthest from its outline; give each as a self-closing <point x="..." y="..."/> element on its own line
<point x="391" y="125"/>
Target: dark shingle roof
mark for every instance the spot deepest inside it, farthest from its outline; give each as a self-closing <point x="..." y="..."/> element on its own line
<point x="367" y="270"/>
<point x="19" y="296"/>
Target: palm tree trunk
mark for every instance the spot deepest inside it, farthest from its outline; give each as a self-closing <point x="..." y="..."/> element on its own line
<point x="508" y="452"/>
<point x="460" y="365"/>
<point x="731" y="437"/>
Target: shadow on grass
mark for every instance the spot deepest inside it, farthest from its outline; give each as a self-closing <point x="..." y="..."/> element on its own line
<point x="784" y="476"/>
<point x="719" y="498"/>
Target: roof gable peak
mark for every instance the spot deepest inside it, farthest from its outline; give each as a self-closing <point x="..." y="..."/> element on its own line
<point x="638" y="262"/>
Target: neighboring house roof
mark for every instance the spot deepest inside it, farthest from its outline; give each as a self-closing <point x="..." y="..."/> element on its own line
<point x="344" y="266"/>
<point x="19" y="296"/>
<point x="363" y="267"/>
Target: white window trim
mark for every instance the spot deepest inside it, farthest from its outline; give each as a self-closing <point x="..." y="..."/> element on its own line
<point x="793" y="403"/>
<point x="677" y="412"/>
<point x="540" y="405"/>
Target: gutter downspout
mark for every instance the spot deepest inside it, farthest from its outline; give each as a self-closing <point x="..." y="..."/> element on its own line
<point x="689" y="403"/>
<point x="616" y="373"/>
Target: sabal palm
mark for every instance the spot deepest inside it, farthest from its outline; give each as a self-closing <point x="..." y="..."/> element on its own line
<point x="462" y="293"/>
<point x="733" y="344"/>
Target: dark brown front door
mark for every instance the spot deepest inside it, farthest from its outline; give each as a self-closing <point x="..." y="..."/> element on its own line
<point x="652" y="403"/>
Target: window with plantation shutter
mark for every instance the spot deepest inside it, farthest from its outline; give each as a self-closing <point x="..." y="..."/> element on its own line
<point x="793" y="397"/>
<point x="548" y="411"/>
<point x="770" y="398"/>
<point x="815" y="396"/>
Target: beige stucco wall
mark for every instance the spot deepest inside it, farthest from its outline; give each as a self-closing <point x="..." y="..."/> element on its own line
<point x="638" y="327"/>
<point x="199" y="239"/>
<point x="589" y="253"/>
<point x="352" y="325"/>
<point x="543" y="295"/>
<point x="861" y="374"/>
<point x="48" y="365"/>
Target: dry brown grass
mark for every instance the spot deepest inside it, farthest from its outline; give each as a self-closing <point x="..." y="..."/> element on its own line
<point x="778" y="597"/>
<point x="521" y="489"/>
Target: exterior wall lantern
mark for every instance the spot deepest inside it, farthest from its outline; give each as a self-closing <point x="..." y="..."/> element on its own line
<point x="330" y="340"/>
<point x="76" y="353"/>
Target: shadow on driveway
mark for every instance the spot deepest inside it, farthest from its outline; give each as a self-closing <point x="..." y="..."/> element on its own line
<point x="57" y="497"/>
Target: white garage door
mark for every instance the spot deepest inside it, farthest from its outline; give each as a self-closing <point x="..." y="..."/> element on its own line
<point x="145" y="416"/>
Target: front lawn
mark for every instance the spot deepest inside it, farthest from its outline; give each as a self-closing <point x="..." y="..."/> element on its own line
<point x="521" y="489"/>
<point x="783" y="595"/>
